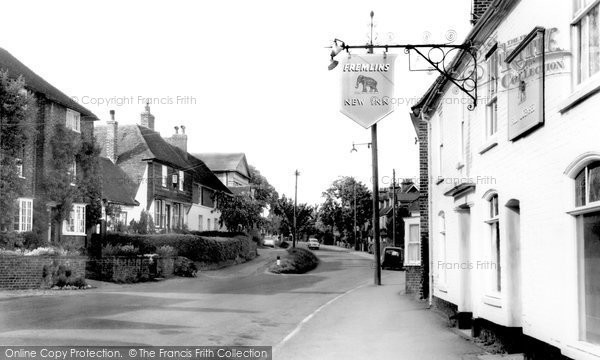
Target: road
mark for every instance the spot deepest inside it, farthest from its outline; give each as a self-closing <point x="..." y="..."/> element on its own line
<point x="240" y="305"/>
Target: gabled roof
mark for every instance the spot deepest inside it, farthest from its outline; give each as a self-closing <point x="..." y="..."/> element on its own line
<point x="35" y="83"/>
<point x="117" y="188"/>
<point x="225" y="162"/>
<point x="138" y="144"/>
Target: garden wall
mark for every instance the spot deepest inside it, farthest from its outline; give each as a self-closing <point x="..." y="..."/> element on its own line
<point x="123" y="269"/>
<point x="37" y="272"/>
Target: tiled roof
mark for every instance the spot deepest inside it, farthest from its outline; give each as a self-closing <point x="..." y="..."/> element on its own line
<point x="136" y="144"/>
<point x="223" y="161"/>
<point x="117" y="188"/>
<point x="35" y="83"/>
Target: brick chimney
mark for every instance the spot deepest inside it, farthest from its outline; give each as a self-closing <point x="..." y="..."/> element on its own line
<point x="478" y="7"/>
<point x="179" y="140"/>
<point x="146" y="118"/>
<point x="111" y="138"/>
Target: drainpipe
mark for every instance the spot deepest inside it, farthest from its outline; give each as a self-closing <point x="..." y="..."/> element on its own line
<point x="429" y="203"/>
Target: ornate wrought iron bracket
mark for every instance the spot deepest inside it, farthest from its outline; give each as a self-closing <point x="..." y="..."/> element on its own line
<point x="441" y="57"/>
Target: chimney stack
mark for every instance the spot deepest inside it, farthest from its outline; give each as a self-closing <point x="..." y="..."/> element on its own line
<point x="146" y="118"/>
<point x="111" y="138"/>
<point x="479" y="7"/>
<point x="179" y="140"/>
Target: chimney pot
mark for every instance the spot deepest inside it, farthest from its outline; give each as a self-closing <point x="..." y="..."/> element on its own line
<point x="112" y="115"/>
<point x="176" y="129"/>
<point x="183" y="129"/>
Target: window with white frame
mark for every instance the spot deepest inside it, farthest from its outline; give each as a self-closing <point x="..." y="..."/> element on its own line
<point x="200" y="222"/>
<point x="207" y="224"/>
<point x="442" y="261"/>
<point x="413" y="246"/>
<point x="164" y="175"/>
<point x="73" y="120"/>
<point x="23" y="218"/>
<point x="181" y="180"/>
<point x="587" y="38"/>
<point x="75" y="223"/>
<point x="216" y="224"/>
<point x="159" y="214"/>
<point x="493" y="263"/>
<point x="587" y="194"/>
<point x="177" y="223"/>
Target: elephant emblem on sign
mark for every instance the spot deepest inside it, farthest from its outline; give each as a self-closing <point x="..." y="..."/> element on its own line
<point x="368" y="84"/>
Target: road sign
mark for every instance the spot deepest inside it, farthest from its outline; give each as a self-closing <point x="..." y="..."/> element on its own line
<point x="368" y="87"/>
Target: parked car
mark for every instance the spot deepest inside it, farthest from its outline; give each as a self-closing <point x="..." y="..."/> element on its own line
<point x="313" y="244"/>
<point x="269" y="241"/>
<point x="392" y="258"/>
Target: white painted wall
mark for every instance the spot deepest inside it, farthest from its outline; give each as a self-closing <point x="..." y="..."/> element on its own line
<point x="530" y="170"/>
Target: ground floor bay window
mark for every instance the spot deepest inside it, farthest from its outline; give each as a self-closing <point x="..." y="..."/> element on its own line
<point x="75" y="222"/>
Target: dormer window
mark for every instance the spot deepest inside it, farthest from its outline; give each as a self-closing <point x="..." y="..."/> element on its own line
<point x="73" y="120"/>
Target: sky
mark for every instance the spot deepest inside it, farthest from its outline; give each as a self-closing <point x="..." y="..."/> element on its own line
<point x="241" y="76"/>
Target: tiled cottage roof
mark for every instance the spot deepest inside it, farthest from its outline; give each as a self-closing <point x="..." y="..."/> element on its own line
<point x="138" y="144"/>
<point x="117" y="188"/>
<point x="225" y="161"/>
<point x="35" y="83"/>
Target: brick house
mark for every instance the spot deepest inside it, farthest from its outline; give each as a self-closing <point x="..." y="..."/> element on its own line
<point x="52" y="108"/>
<point x="165" y="180"/>
<point x="513" y="187"/>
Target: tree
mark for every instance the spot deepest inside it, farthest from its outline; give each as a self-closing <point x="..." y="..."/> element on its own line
<point x="263" y="192"/>
<point x="16" y="106"/>
<point x="239" y="212"/>
<point x="243" y="211"/>
<point x="305" y="217"/>
<point x="337" y="211"/>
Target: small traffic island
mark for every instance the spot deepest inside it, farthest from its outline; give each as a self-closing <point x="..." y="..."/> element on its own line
<point x="296" y="261"/>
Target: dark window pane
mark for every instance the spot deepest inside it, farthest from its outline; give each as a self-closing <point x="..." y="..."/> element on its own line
<point x="494" y="206"/>
<point x="580" y="189"/>
<point x="591" y="248"/>
<point x="208" y="197"/>
<point x="594" y="180"/>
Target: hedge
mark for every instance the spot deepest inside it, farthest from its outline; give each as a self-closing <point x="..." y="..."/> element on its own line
<point x="194" y="247"/>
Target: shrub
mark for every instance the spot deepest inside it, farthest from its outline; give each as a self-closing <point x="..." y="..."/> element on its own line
<point x="297" y="261"/>
<point x="195" y="248"/>
<point x="77" y="282"/>
<point x="61" y="281"/>
<point x="215" y="233"/>
<point x="11" y="240"/>
<point x="184" y="267"/>
<point x="32" y="240"/>
<point x="120" y="250"/>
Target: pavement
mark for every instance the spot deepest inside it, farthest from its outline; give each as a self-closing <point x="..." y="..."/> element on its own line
<point x="375" y="322"/>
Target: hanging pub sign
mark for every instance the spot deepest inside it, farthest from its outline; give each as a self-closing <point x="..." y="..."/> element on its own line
<point x="367" y="87"/>
<point x="526" y="85"/>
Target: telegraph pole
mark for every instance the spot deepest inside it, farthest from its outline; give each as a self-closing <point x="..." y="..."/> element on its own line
<point x="376" y="251"/>
<point x="296" y="173"/>
<point x="394" y="207"/>
<point x="354" y="191"/>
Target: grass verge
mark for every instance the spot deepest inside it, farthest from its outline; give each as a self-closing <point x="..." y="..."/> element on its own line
<point x="297" y="261"/>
